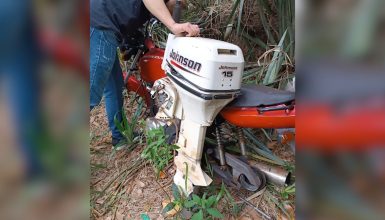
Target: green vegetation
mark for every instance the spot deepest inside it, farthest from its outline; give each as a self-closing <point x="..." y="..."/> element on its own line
<point x="158" y="151"/>
<point x="127" y="127"/>
<point x="200" y="207"/>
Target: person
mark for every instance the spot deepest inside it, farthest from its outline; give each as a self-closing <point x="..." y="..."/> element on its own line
<point x="110" y="21"/>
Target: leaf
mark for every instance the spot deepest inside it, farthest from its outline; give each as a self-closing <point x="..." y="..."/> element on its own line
<point x="234" y="8"/>
<point x="229" y="23"/>
<point x="162" y="175"/>
<point x="138" y="110"/>
<point x="240" y="16"/>
<point x="196" y="199"/>
<point x="215" y="213"/>
<point x="260" y="149"/>
<point x="228" y="195"/>
<point x="255" y="40"/>
<point x="175" y="191"/>
<point x="204" y="201"/>
<point x="189" y="204"/>
<point x="124" y="119"/>
<point x="290" y="189"/>
<point x="144" y="217"/>
<point x="276" y="62"/>
<point x="251" y="136"/>
<point x="220" y="194"/>
<point x="168" y="207"/>
<point x="211" y="200"/>
<point x="158" y="151"/>
<point x="118" y="124"/>
<point x="198" y="216"/>
<point x="204" y="196"/>
<point x="266" y="25"/>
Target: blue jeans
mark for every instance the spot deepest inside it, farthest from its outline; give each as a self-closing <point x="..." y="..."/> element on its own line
<point x="106" y="76"/>
<point x="19" y="60"/>
<point x="23" y="90"/>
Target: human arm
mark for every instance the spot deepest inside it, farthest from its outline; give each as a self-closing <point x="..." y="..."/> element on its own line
<point x="159" y="10"/>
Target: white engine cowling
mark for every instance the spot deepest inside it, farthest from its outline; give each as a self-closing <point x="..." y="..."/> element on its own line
<point x="208" y="72"/>
<point x="208" y="64"/>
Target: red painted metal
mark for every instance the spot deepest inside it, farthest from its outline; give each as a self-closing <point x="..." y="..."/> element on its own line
<point x="64" y="50"/>
<point x="250" y="117"/>
<point x="134" y="85"/>
<point x="149" y="43"/>
<point x="150" y="65"/>
<point x="326" y="128"/>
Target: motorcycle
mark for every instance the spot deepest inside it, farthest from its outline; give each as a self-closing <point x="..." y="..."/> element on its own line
<point x="195" y="84"/>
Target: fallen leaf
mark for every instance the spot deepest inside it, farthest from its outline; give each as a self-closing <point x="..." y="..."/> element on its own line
<point x="139" y="192"/>
<point x="162" y="175"/>
<point x="147" y="208"/>
<point x="100" y="201"/>
<point x="140" y="184"/>
<point x="287" y="137"/>
<point x="173" y="211"/>
<point x="92" y="119"/>
<point x="99" y="147"/>
<point x="271" y="144"/>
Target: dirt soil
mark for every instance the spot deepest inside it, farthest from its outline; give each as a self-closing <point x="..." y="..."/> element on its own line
<point x="120" y="194"/>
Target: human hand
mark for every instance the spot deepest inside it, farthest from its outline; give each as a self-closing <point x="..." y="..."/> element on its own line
<point x="190" y="29"/>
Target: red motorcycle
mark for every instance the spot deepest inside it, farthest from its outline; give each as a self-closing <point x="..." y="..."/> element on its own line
<point x="254" y="106"/>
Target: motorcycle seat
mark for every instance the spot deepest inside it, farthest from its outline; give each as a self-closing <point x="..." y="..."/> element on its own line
<point x="260" y="95"/>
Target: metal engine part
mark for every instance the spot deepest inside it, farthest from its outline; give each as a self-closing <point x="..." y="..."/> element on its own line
<point x="274" y="174"/>
<point x="240" y="173"/>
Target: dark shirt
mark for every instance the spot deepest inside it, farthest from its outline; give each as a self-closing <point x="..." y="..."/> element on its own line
<point x="119" y="16"/>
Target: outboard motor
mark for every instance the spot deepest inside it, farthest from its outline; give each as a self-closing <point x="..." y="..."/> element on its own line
<point x="203" y="76"/>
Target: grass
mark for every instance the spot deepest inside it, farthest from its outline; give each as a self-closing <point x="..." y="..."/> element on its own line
<point x="127" y="127"/>
<point x="113" y="190"/>
<point x="288" y="191"/>
<point x="158" y="152"/>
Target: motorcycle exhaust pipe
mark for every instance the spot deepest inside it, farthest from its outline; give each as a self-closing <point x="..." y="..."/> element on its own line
<point x="274" y="174"/>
